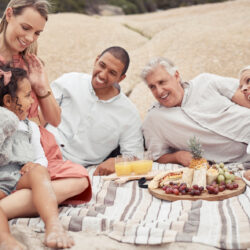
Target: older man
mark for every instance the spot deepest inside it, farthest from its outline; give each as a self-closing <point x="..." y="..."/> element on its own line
<point x="202" y="107"/>
<point x="96" y="116"/>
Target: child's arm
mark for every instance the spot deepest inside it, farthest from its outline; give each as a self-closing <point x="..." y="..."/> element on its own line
<point x="8" y="124"/>
<point x="40" y="157"/>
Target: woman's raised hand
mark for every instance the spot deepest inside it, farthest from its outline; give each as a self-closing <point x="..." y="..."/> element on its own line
<point x="37" y="75"/>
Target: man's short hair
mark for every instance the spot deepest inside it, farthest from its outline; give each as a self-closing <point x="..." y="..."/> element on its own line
<point x="159" y="61"/>
<point x="120" y="54"/>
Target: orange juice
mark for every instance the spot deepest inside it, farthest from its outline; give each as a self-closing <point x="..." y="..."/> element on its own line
<point x="123" y="168"/>
<point x="142" y="166"/>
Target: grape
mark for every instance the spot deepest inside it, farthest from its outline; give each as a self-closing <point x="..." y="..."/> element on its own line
<point x="197" y="192"/>
<point x="220" y="178"/>
<point x="201" y="188"/>
<point x="168" y="191"/>
<point x="232" y="177"/>
<point x="183" y="192"/>
<point x="222" y="188"/>
<point x="215" y="185"/>
<point x="227" y="175"/>
<point x="221" y="165"/>
<point x="176" y="191"/>
<point x="216" y="190"/>
<point x="221" y="171"/>
<point x="192" y="192"/>
<point x="223" y="183"/>
<point x="195" y="187"/>
<point x="228" y="181"/>
<point x="231" y="186"/>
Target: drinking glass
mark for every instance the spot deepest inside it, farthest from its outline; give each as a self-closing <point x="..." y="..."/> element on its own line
<point x="123" y="165"/>
<point x="143" y="163"/>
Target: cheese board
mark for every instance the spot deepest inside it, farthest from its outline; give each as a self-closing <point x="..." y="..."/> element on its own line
<point x="161" y="194"/>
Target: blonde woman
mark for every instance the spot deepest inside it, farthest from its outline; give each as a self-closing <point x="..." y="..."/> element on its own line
<point x="21" y="25"/>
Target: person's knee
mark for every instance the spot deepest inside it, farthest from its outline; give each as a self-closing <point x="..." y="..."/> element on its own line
<point x="38" y="170"/>
<point x="78" y="185"/>
<point x="82" y="184"/>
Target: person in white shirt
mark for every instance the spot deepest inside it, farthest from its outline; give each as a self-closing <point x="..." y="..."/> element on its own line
<point x="202" y="107"/>
<point x="96" y="116"/>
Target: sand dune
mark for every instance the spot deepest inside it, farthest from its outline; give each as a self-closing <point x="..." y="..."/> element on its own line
<point x="204" y="38"/>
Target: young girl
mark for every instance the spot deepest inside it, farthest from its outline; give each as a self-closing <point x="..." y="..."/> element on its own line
<point x="20" y="27"/>
<point x="22" y="160"/>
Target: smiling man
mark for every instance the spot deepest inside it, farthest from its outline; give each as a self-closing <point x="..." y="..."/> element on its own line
<point x="96" y="116"/>
<point x="202" y="107"/>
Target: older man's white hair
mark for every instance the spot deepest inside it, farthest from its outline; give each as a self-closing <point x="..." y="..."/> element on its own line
<point x="155" y="62"/>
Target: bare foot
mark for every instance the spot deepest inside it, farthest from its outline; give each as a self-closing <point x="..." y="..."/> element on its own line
<point x="10" y="243"/>
<point x="56" y="236"/>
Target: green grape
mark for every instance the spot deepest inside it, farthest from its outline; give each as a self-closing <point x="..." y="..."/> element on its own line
<point x="232" y="177"/>
<point x="227" y="175"/>
<point x="228" y="181"/>
<point x="220" y="178"/>
<point x="221" y="171"/>
<point x="221" y="165"/>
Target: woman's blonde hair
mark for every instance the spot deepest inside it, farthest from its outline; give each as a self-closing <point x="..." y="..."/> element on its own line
<point x="243" y="70"/>
<point x="42" y="6"/>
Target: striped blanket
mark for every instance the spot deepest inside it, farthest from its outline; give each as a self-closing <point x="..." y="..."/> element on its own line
<point x="130" y="214"/>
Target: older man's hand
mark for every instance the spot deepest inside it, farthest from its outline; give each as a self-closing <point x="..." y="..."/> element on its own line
<point x="106" y="168"/>
<point x="184" y="158"/>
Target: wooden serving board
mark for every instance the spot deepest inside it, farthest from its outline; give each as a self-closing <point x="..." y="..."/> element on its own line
<point x="159" y="193"/>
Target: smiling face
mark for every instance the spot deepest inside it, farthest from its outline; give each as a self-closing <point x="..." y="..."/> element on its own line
<point x="21" y="104"/>
<point x="22" y="30"/>
<point x="245" y="84"/>
<point x="166" y="88"/>
<point x="107" y="71"/>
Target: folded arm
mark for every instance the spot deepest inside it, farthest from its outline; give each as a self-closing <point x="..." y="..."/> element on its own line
<point x="180" y="157"/>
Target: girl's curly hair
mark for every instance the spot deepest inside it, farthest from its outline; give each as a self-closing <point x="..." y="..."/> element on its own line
<point x="17" y="74"/>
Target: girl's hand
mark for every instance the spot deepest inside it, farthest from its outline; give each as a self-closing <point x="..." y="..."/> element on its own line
<point x="37" y="75"/>
<point x="27" y="167"/>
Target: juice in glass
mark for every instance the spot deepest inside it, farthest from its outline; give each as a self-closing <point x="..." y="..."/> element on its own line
<point x="142" y="166"/>
<point x="123" y="166"/>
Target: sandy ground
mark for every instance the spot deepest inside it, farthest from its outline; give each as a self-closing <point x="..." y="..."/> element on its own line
<point x="211" y="38"/>
<point x="91" y="241"/>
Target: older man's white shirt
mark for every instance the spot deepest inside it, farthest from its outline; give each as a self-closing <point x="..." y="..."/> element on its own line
<point x="207" y="112"/>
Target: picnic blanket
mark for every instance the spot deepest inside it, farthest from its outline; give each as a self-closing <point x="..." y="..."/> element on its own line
<point x="131" y="214"/>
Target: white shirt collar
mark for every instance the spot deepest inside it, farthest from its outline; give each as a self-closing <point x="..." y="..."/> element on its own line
<point x="92" y="92"/>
